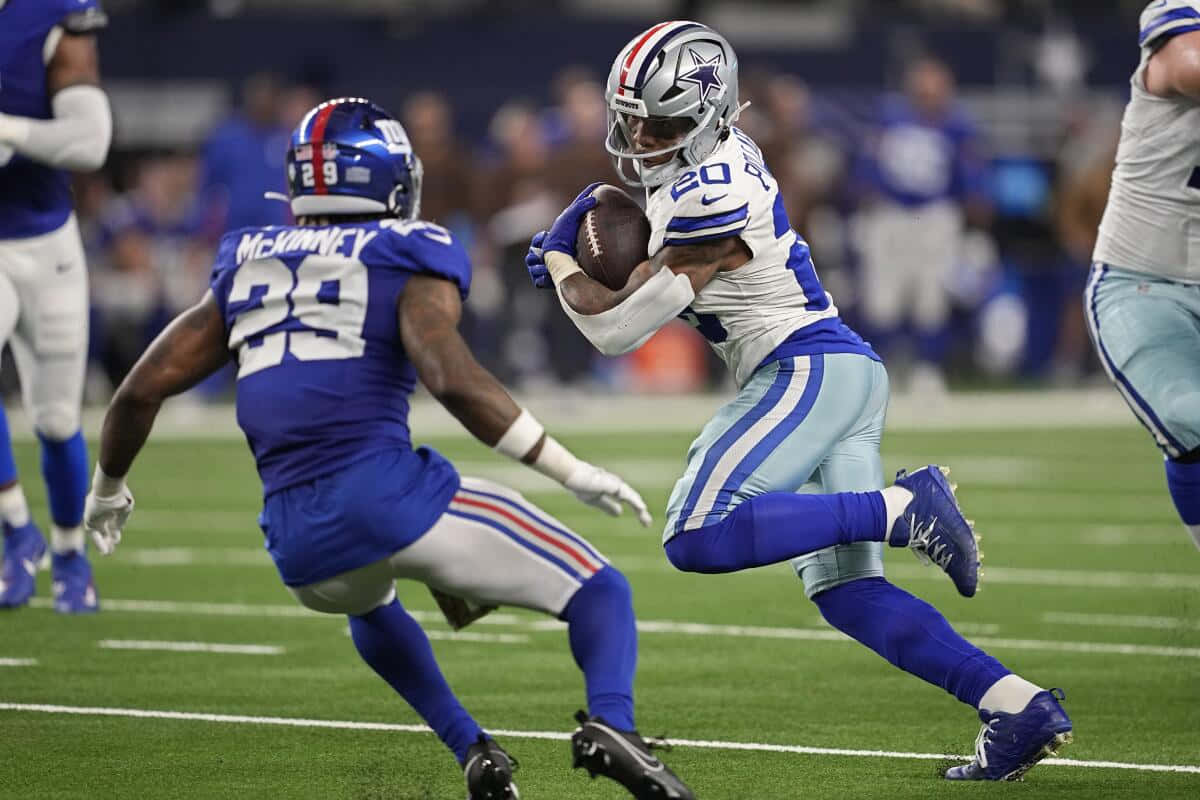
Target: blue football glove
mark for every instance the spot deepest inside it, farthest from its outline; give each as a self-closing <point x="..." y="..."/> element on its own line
<point x="535" y="262"/>
<point x="565" y="231"/>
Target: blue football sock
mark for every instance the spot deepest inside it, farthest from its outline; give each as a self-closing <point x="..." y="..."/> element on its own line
<point x="394" y="645"/>
<point x="912" y="635"/>
<point x="8" y="467"/>
<point x="1183" y="479"/>
<point x="779" y="526"/>
<point x="603" y="635"/>
<point x="65" y="468"/>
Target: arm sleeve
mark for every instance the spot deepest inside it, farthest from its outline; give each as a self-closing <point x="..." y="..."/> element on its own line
<point x="626" y="327"/>
<point x="1161" y="21"/>
<point x="78" y="136"/>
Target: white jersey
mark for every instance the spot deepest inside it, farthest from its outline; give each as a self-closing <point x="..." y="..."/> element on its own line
<point x="1152" y="221"/>
<point x="772" y="306"/>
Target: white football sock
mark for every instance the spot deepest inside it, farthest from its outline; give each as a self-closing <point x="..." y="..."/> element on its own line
<point x="895" y="500"/>
<point x="1009" y="695"/>
<point x="1194" y="530"/>
<point x="66" y="540"/>
<point x="13" y="508"/>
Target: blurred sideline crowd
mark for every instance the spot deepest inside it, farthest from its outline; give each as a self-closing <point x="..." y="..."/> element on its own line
<point x="954" y="262"/>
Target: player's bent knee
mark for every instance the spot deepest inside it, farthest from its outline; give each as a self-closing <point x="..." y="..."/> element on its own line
<point x="340" y="596"/>
<point x="1180" y="415"/>
<point x="56" y="422"/>
<point x="609" y="585"/>
<point x="837" y="566"/>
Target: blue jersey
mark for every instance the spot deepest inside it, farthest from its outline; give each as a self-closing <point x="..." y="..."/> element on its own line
<point x="323" y="381"/>
<point x="34" y="198"/>
<point x="915" y="161"/>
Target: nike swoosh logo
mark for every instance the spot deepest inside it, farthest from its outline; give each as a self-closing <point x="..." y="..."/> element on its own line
<point x="707" y="201"/>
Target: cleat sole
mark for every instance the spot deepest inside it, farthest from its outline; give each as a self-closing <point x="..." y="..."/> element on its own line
<point x="1050" y="748"/>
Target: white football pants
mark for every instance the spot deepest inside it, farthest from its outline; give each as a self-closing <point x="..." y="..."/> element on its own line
<point x="44" y="316"/>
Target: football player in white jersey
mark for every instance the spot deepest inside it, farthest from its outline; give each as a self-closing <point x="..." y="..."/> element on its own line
<point x="1143" y="297"/>
<point x="812" y="394"/>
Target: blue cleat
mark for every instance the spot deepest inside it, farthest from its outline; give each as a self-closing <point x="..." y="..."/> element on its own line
<point x="24" y="554"/>
<point x="934" y="527"/>
<point x="74" y="592"/>
<point x="1009" y="745"/>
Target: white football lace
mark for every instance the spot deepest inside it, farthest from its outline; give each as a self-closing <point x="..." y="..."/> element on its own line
<point x="982" y="741"/>
<point x="929" y="549"/>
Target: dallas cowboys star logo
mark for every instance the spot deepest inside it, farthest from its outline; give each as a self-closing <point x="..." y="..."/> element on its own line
<point x="704" y="74"/>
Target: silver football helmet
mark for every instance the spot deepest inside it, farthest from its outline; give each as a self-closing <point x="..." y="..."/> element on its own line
<point x="683" y="77"/>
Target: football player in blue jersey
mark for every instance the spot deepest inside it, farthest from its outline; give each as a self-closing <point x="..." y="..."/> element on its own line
<point x="812" y="395"/>
<point x="54" y="118"/>
<point x="920" y="176"/>
<point x="331" y="322"/>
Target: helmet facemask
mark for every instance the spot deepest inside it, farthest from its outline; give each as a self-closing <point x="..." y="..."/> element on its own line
<point x="680" y="71"/>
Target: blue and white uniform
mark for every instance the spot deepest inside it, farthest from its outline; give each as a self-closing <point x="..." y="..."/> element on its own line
<point x="919" y="173"/>
<point x="43" y="276"/>
<point x="812" y="394"/>
<point x="323" y="398"/>
<point x="1143" y="297"/>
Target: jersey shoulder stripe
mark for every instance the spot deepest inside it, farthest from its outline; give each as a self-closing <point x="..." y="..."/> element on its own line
<point x="1165" y="19"/>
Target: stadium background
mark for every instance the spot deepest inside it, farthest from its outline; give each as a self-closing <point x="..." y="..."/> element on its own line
<point x="202" y="677"/>
<point x="504" y="103"/>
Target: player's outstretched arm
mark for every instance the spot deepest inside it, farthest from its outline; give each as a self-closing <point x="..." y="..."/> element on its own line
<point x="78" y="136"/>
<point x="188" y="351"/>
<point x="1174" y="69"/>
<point x="429" y="312"/>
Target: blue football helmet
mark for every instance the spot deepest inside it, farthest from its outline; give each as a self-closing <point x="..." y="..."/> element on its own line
<point x="349" y="156"/>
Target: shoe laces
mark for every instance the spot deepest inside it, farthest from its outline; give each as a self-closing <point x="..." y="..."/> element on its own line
<point x="984" y="740"/>
<point x="930" y="549"/>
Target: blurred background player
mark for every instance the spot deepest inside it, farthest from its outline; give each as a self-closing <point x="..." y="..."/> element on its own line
<point x="335" y="318"/>
<point x="812" y="395"/>
<point x="919" y="176"/>
<point x="1143" y="298"/>
<point x="54" y="117"/>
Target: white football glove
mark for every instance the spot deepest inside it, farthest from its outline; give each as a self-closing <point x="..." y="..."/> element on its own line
<point x="604" y="490"/>
<point x="104" y="517"/>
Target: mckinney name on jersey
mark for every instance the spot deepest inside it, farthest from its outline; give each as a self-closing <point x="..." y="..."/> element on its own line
<point x="1152" y="221"/>
<point x="771" y="307"/>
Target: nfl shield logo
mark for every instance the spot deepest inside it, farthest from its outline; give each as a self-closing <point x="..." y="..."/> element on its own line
<point x="304" y="152"/>
<point x="329" y="151"/>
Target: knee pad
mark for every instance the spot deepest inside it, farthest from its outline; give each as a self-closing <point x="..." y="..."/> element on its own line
<point x="342" y="595"/>
<point x="56" y="422"/>
<point x="834" y="566"/>
<point x="1180" y="415"/>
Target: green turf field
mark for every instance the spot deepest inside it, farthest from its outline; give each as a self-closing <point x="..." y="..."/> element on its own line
<point x="1090" y="584"/>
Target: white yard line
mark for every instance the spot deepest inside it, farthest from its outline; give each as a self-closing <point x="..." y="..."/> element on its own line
<point x="1121" y="621"/>
<point x="192" y="647"/>
<point x="295" y="722"/>
<point x="482" y="638"/>
<point x="671" y="627"/>
<point x="1076" y="578"/>
<point x="18" y="662"/>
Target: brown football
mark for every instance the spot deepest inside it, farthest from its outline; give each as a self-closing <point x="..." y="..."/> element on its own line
<point x="613" y="237"/>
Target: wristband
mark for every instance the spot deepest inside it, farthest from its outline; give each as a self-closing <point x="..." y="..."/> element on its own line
<point x="13" y="130"/>
<point x="520" y="437"/>
<point x="556" y="461"/>
<point x="560" y="266"/>
<point x="104" y="485"/>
